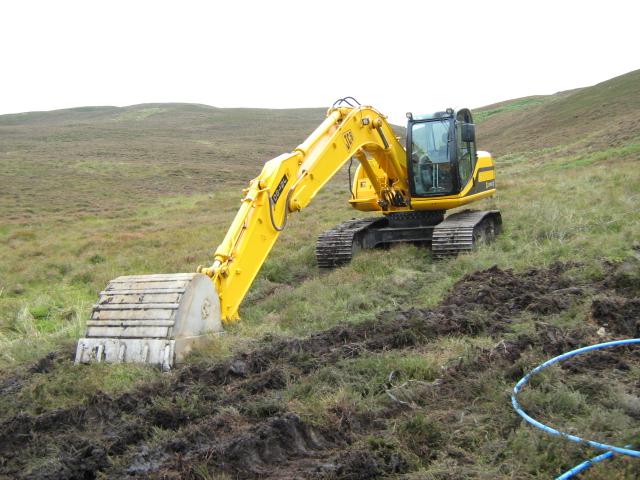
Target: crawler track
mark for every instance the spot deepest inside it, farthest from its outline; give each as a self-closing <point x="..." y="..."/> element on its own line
<point x="461" y="232"/>
<point x="458" y="233"/>
<point x="336" y="247"/>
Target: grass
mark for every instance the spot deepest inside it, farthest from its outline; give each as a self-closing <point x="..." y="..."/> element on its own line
<point x="96" y="193"/>
<point x="580" y="121"/>
<point x="521" y="103"/>
<point x="64" y="387"/>
<point x="52" y="268"/>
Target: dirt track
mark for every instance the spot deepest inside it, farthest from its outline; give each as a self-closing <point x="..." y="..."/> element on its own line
<point x="218" y="420"/>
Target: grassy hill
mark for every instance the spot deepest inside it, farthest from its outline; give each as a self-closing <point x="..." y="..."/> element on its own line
<point x="579" y="121"/>
<point x="87" y="160"/>
<point x="395" y="365"/>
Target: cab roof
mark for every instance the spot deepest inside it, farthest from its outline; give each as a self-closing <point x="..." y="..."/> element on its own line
<point x="435" y="115"/>
<point x="448" y="113"/>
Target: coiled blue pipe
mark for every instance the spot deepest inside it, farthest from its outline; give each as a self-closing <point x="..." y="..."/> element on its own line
<point x="611" y="449"/>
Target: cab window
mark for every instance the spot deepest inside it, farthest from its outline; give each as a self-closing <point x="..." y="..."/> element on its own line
<point x="430" y="157"/>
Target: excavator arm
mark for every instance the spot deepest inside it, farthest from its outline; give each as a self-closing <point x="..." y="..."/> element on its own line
<point x="288" y="184"/>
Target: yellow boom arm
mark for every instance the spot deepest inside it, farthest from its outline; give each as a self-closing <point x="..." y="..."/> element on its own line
<point x="288" y="183"/>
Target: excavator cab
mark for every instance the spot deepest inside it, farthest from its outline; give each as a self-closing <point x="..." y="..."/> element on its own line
<point x="441" y="152"/>
<point x="442" y="171"/>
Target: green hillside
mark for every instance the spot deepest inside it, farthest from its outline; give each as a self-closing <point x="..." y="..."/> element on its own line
<point x="394" y="366"/>
<point x="86" y="160"/>
<point x="582" y="120"/>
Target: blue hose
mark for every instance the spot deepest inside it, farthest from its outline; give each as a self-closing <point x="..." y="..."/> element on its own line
<point x="584" y="465"/>
<point x="611" y="449"/>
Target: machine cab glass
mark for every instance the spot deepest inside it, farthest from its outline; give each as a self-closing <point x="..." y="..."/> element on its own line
<point x="442" y="152"/>
<point x="430" y="157"/>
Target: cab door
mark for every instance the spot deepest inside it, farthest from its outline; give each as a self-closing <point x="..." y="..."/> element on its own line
<point x="465" y="146"/>
<point x="432" y="172"/>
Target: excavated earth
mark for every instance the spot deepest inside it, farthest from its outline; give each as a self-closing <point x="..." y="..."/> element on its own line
<point x="229" y="417"/>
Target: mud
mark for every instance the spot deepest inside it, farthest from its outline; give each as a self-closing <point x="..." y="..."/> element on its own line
<point x="503" y="292"/>
<point x="617" y="314"/>
<point x="599" y="361"/>
<point x="624" y="277"/>
<point x="11" y="383"/>
<point x="80" y="460"/>
<point x="364" y="464"/>
<point x="229" y="417"/>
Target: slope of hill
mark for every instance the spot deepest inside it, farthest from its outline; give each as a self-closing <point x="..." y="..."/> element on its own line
<point x="87" y="159"/>
<point x="582" y="120"/>
<point x="395" y="365"/>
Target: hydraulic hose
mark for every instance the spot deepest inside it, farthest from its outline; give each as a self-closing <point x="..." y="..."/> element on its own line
<point x="611" y="449"/>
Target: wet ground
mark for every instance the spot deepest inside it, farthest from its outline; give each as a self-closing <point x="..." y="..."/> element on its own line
<point x="229" y="418"/>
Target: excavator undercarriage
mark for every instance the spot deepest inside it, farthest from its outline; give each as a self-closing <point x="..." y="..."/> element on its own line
<point x="458" y="233"/>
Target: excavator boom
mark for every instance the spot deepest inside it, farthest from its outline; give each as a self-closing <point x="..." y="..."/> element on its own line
<point x="158" y="318"/>
<point x="289" y="183"/>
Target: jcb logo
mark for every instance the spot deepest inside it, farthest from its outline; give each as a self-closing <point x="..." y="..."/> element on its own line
<point x="348" y="139"/>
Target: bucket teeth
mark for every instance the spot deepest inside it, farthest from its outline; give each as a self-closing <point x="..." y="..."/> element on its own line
<point x="150" y="319"/>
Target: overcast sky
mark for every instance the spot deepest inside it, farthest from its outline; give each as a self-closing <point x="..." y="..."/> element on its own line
<point x="396" y="55"/>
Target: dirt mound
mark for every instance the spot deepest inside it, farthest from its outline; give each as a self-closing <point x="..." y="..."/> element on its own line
<point x="543" y="291"/>
<point x="229" y="417"/>
<point x="625" y="276"/>
<point x="481" y="302"/>
<point x="617" y="314"/>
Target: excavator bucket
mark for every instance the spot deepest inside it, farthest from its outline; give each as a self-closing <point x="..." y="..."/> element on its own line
<point x="152" y="319"/>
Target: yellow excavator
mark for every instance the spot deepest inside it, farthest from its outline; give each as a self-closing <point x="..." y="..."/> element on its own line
<point x="158" y="318"/>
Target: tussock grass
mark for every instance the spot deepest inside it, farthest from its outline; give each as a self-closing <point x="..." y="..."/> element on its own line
<point x="34" y="331"/>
